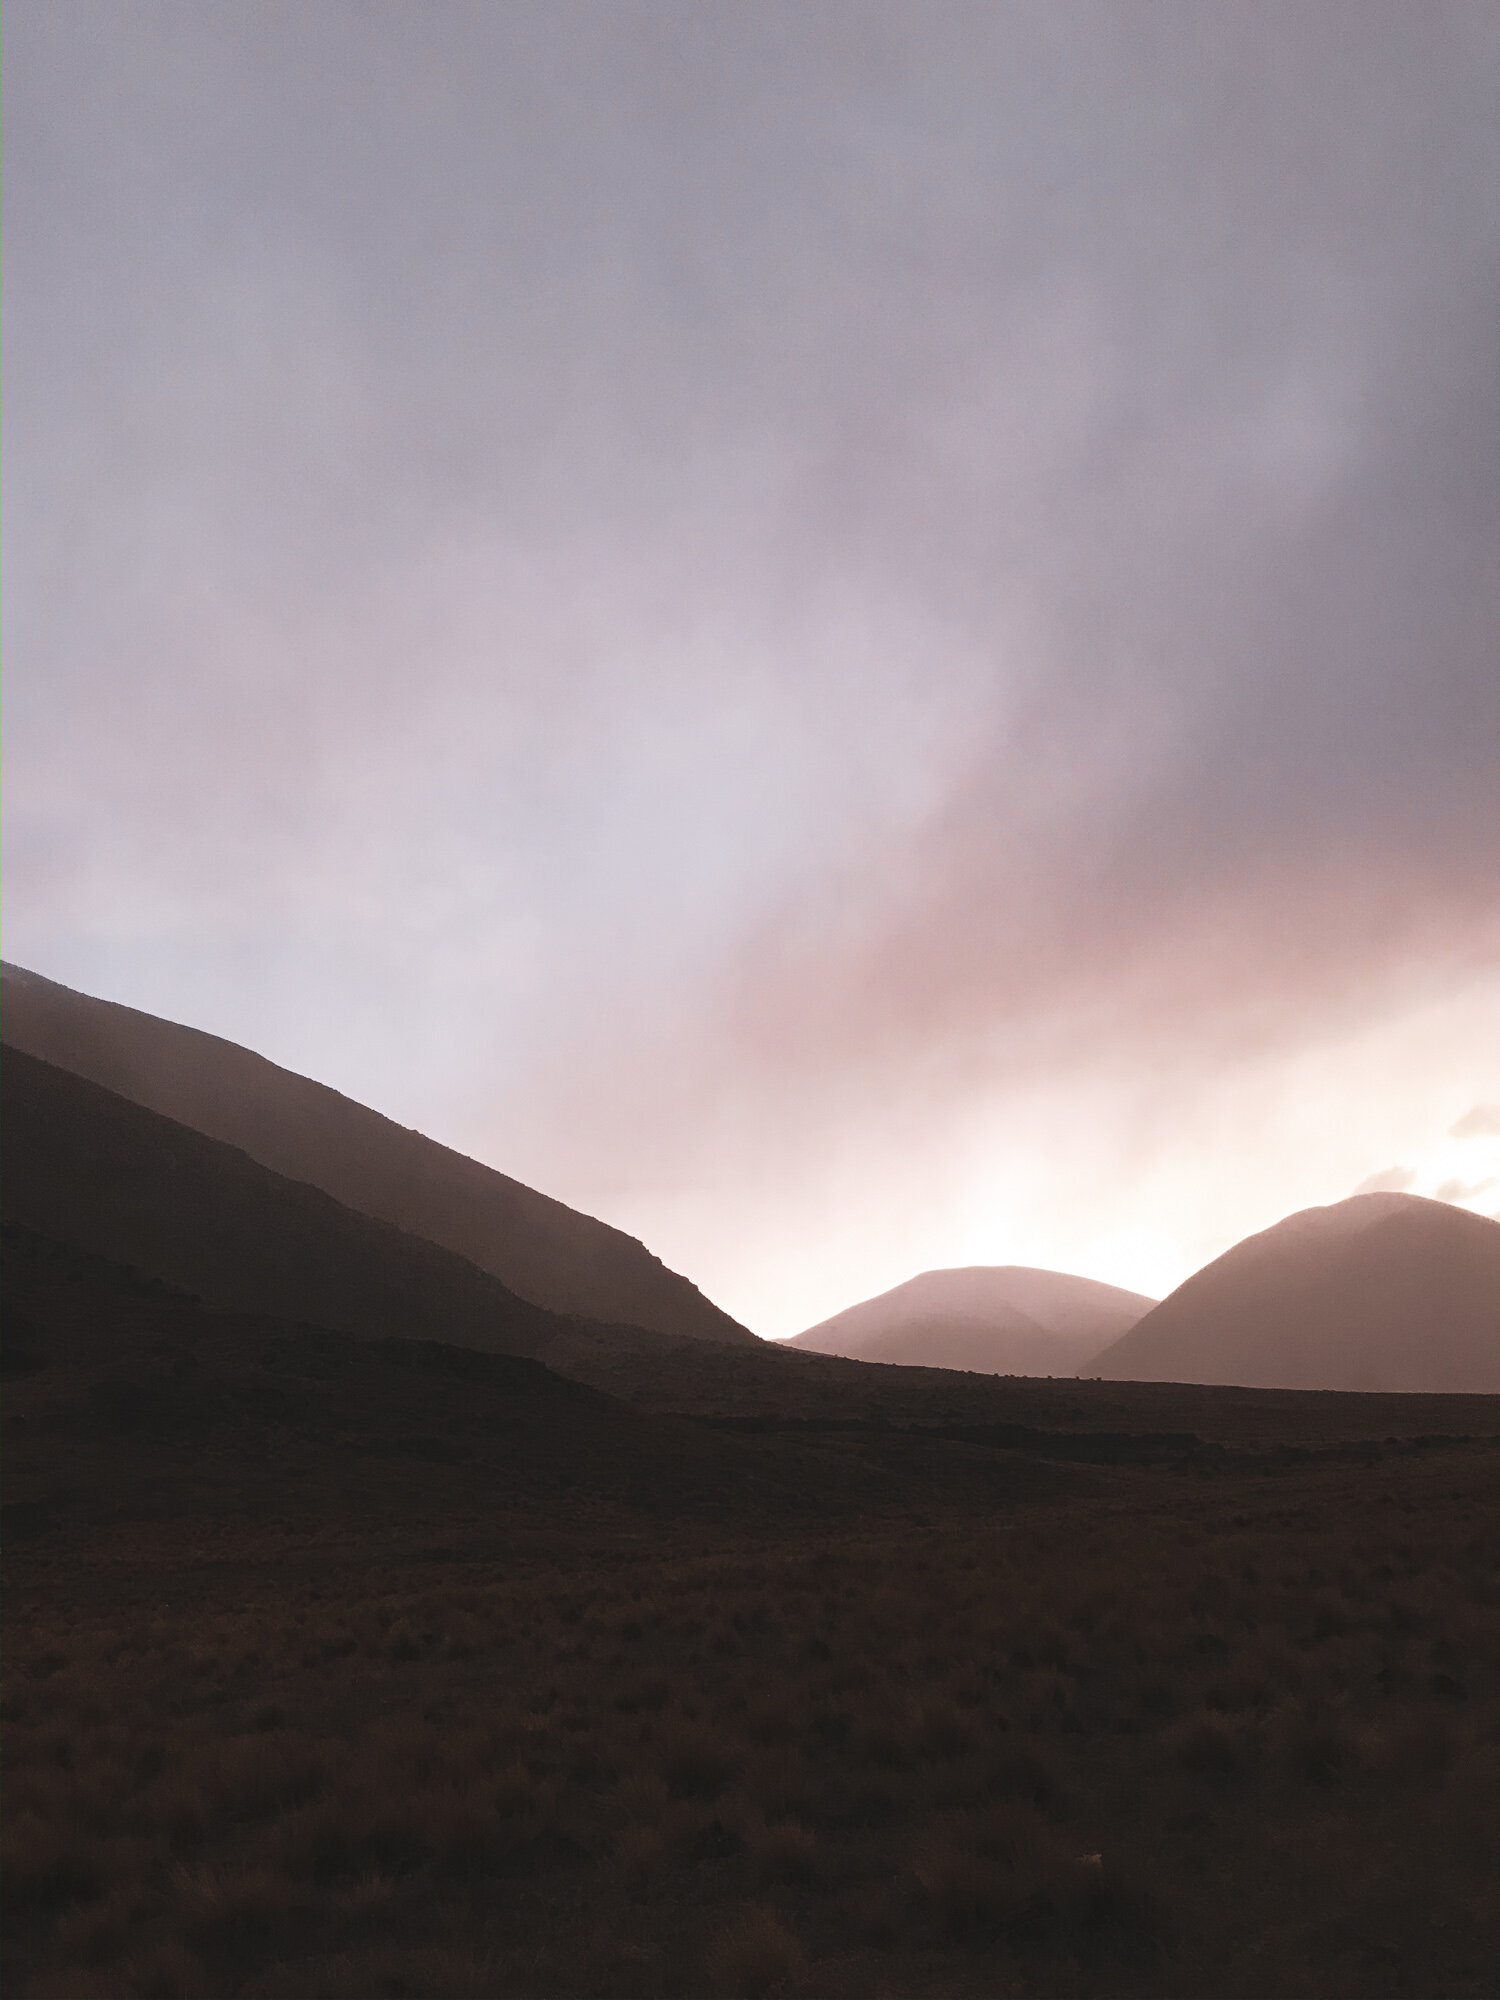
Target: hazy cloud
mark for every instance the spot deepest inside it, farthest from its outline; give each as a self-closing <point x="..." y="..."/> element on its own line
<point x="1458" y="1191"/>
<point x="743" y="609"/>
<point x="1391" y="1180"/>
<point x="1483" y="1121"/>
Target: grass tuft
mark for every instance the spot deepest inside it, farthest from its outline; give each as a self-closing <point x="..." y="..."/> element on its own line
<point x="756" y="1956"/>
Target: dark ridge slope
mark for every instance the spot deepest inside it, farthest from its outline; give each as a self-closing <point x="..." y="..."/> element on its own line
<point x="84" y="1167"/>
<point x="129" y="1403"/>
<point x="1383" y="1291"/>
<point x="538" y="1248"/>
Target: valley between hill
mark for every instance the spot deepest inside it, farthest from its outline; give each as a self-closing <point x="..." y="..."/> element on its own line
<point x="340" y="1667"/>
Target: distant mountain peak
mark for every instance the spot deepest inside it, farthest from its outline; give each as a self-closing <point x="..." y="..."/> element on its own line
<point x="1007" y="1319"/>
<point x="1354" y="1212"/>
<point x="1381" y="1291"/>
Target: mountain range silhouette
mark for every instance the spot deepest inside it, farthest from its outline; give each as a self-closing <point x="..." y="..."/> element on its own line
<point x="200" y="1163"/>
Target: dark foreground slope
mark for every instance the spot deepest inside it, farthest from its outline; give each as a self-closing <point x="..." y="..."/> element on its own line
<point x="83" y="1166"/>
<point x="344" y="1667"/>
<point x="537" y="1247"/>
<point x="1383" y="1291"/>
<point x="996" y="1320"/>
<point x="132" y="1403"/>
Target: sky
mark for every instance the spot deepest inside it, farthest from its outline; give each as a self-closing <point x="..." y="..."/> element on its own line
<point x="856" y="637"/>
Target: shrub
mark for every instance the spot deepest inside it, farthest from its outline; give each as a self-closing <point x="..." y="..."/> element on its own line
<point x="42" y="1865"/>
<point x="1022" y="1773"/>
<point x="255" y="1777"/>
<point x="386" y="1970"/>
<point x="758" y="1955"/>
<point x="1318" y="1750"/>
<point x="787" y="1852"/>
<point x="980" y="1874"/>
<point x="343" y="1837"/>
<point x="641" y="1855"/>
<point x="946" y="1732"/>
<point x="1209" y="1745"/>
<point x="696" y="1764"/>
<point x="229" y="1909"/>
<point x="98" y="1933"/>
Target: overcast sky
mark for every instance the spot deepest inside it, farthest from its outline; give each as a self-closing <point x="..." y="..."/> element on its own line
<point x="855" y="636"/>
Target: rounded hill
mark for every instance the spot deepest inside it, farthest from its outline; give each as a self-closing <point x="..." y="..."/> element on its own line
<point x="1004" y="1319"/>
<point x="1379" y="1292"/>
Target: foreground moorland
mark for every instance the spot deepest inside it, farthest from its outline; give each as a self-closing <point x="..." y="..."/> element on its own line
<point x="353" y="1668"/>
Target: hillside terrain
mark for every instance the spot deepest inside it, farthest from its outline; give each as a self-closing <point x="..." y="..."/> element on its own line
<point x="540" y="1249"/>
<point x="83" y="1166"/>
<point x="372" y="1629"/>
<point x="995" y="1320"/>
<point x="1382" y="1291"/>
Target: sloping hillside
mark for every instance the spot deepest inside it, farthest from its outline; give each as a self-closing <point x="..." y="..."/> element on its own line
<point x="132" y="1408"/>
<point x="1383" y="1291"/>
<point x="538" y="1248"/>
<point x="84" y="1167"/>
<point x="993" y="1320"/>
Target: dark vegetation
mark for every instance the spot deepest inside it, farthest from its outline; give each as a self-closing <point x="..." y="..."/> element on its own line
<point x="341" y="1667"/>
